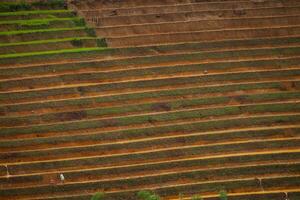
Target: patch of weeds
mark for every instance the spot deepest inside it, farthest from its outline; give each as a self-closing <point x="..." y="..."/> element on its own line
<point x="223" y="195"/>
<point x="77" y="43"/>
<point x="101" y="42"/>
<point x="197" y="197"/>
<point x="90" y="31"/>
<point x="147" y="195"/>
<point x="54" y="4"/>
<point x="79" y="22"/>
<point x="98" y="196"/>
<point x="12" y="7"/>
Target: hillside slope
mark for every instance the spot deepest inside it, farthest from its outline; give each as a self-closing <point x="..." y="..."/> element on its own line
<point x="180" y="97"/>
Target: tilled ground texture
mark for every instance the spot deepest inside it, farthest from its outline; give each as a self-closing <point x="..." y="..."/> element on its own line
<point x="180" y="97"/>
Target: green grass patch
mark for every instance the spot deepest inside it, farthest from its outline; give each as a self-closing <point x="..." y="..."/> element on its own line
<point x="45" y="41"/>
<point x="77" y="21"/>
<point x="48" y="45"/>
<point x="9" y="33"/>
<point x="35" y="12"/>
<point x="23" y="6"/>
<point x="56" y="52"/>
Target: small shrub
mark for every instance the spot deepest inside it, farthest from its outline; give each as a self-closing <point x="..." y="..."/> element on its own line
<point x="55" y="4"/>
<point x="79" y="22"/>
<point x="144" y="194"/>
<point x="180" y="196"/>
<point x="98" y="196"/>
<point x="90" y="31"/>
<point x="11" y="7"/>
<point x="147" y="195"/>
<point x="77" y="43"/>
<point x="197" y="197"/>
<point x="101" y="42"/>
<point x="223" y="195"/>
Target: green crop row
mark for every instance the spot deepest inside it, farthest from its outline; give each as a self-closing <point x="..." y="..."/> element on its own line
<point x="43" y="34"/>
<point x="23" y="6"/>
<point x="37" y="12"/>
<point x="39" y="21"/>
<point x="39" y="24"/>
<point x="46" y="45"/>
<point x="126" y="98"/>
<point x="144" y="108"/>
<point x="56" y="52"/>
<point x="152" y="118"/>
<point x="7" y="33"/>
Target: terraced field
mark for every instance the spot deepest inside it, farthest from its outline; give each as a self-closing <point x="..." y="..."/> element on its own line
<point x="180" y="97"/>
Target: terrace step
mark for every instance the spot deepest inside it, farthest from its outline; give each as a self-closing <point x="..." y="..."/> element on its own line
<point x="35" y="14"/>
<point x="157" y="72"/>
<point x="154" y="107"/>
<point x="147" y="85"/>
<point x="133" y="3"/>
<point x="40" y="24"/>
<point x="113" y="59"/>
<point x="204" y="6"/>
<point x="76" y="104"/>
<point x="41" y="34"/>
<point x="250" y="184"/>
<point x="128" y="147"/>
<point x="261" y="195"/>
<point x="47" y="45"/>
<point x="197" y="26"/>
<point x="171" y="166"/>
<point x="200" y="36"/>
<point x="100" y="21"/>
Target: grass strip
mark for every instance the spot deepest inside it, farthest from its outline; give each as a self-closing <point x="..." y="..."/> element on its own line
<point x="35" y="12"/>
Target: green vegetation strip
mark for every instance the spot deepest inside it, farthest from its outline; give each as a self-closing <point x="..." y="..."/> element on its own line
<point x="44" y="41"/>
<point x="153" y="118"/>
<point x="144" y="108"/>
<point x="35" y="12"/>
<point x="63" y="51"/>
<point x="39" y="21"/>
<point x="24" y="6"/>
<point x="12" y="33"/>
<point x="127" y="98"/>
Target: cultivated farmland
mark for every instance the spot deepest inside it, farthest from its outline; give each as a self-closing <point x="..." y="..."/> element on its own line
<point x="177" y="97"/>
